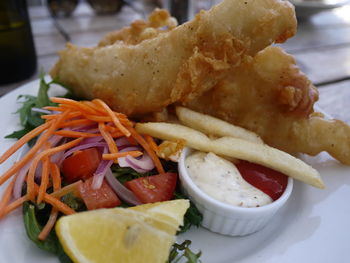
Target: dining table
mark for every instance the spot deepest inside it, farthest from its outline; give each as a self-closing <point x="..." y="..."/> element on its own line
<point x="321" y="48"/>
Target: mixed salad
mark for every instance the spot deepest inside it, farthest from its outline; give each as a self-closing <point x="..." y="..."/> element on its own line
<point x="84" y="156"/>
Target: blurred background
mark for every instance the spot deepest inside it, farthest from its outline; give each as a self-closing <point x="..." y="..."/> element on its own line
<point x="321" y="46"/>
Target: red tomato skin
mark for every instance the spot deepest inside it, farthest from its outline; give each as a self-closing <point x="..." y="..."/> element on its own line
<point x="104" y="197"/>
<point x="155" y="188"/>
<point x="269" y="181"/>
<point x="81" y="165"/>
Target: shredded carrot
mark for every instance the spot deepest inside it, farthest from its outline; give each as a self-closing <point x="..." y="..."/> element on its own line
<point x="71" y="188"/>
<point x="108" y="138"/>
<point x="76" y="123"/>
<point x="56" y="178"/>
<point x="26" y="138"/>
<point x="115" y="119"/>
<point x="71" y="114"/>
<point x="97" y="118"/>
<point x="36" y="160"/>
<point x="76" y="104"/>
<point x="151" y="142"/>
<point x="17" y="166"/>
<point x="75" y="134"/>
<point x="113" y="156"/>
<point x="53" y="108"/>
<point x="15" y="204"/>
<point x="62" y="207"/>
<point x="6" y="197"/>
<point x="49" y="224"/>
<point x="147" y="148"/>
<point x="44" y="180"/>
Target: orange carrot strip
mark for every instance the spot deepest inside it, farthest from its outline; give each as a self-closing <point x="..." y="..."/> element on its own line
<point x="44" y="180"/>
<point x="36" y="160"/>
<point x="97" y="118"/>
<point x="62" y="207"/>
<point x="6" y="197"/>
<point x="17" y="166"/>
<point x="108" y="138"/>
<point x="113" y="156"/>
<point x="71" y="102"/>
<point x="49" y="224"/>
<point x="74" y="187"/>
<point x="15" y="204"/>
<point x="72" y="114"/>
<point x="115" y="119"/>
<point x="75" y="134"/>
<point x="56" y="176"/>
<point x="52" y="108"/>
<point x="147" y="148"/>
<point x="76" y="123"/>
<point x="93" y="106"/>
<point x="30" y="135"/>
<point x="151" y="142"/>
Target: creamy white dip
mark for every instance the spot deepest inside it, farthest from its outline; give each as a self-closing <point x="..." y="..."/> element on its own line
<point x="220" y="179"/>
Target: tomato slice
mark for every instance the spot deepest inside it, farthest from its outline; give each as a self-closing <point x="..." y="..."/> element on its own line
<point x="269" y="181"/>
<point x="154" y="188"/>
<point x="81" y="165"/>
<point x="104" y="197"/>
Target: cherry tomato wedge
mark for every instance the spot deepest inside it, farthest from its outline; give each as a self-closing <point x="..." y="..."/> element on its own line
<point x="269" y="181"/>
<point x="104" y="197"/>
<point x="81" y="165"/>
<point x="154" y="188"/>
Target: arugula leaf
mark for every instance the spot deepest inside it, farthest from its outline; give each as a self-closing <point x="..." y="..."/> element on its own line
<point x="192" y="215"/>
<point x="76" y="203"/>
<point x="33" y="227"/>
<point x="180" y="251"/>
<point x="29" y="119"/>
<point x="124" y="174"/>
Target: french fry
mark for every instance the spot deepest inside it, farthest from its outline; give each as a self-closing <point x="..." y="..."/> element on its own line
<point x="214" y="126"/>
<point x="237" y="148"/>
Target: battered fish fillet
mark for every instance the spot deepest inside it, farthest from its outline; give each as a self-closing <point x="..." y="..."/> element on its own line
<point x="269" y="95"/>
<point x="177" y="65"/>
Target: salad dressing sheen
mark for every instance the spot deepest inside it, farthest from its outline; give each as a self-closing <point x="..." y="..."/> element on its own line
<point x="220" y="179"/>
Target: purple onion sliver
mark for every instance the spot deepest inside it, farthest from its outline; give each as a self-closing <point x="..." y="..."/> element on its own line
<point x="144" y="163"/>
<point x="134" y="166"/>
<point x="100" y="173"/>
<point x="123" y="193"/>
<point x="21" y="177"/>
<point x="92" y="140"/>
<point x="41" y="110"/>
<point x="122" y="141"/>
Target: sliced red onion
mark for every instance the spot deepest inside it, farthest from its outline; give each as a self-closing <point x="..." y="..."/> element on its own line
<point x="122" y="160"/>
<point x="92" y="140"/>
<point x="80" y="147"/>
<point x="122" y="141"/>
<point x="101" y="170"/>
<point x="142" y="165"/>
<point x="123" y="193"/>
<point x="21" y="177"/>
<point x="41" y="110"/>
<point x="145" y="163"/>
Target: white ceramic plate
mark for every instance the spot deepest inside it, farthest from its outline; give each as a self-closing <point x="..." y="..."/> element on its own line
<point x="307" y="8"/>
<point x="314" y="226"/>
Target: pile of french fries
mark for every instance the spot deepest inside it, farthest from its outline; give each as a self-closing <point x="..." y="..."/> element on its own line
<point x="208" y="134"/>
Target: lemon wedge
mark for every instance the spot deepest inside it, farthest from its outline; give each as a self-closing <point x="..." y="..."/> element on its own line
<point x="140" y="234"/>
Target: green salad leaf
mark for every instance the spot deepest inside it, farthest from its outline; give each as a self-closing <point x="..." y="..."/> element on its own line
<point x="29" y="119"/>
<point x="32" y="223"/>
<point x="182" y="251"/>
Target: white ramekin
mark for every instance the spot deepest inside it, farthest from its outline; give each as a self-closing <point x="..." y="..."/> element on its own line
<point x="224" y="218"/>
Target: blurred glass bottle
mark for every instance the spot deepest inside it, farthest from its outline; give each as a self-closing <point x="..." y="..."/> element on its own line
<point x="17" y="52"/>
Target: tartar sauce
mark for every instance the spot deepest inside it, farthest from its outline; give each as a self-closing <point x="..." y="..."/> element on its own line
<point x="220" y="179"/>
